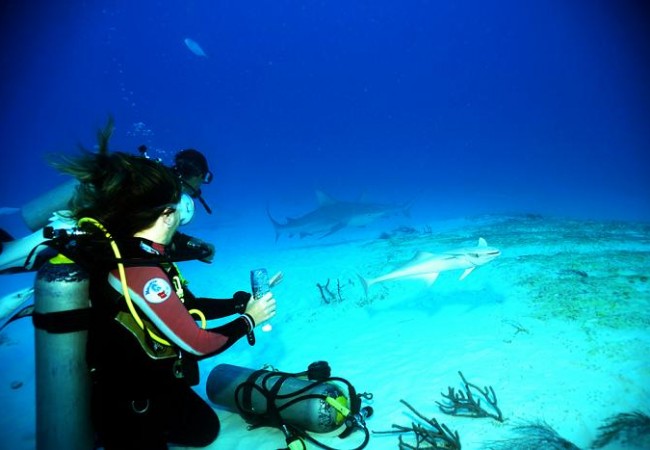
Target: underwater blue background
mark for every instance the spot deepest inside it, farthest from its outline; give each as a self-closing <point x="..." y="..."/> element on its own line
<point x="464" y="107"/>
<point x="496" y="119"/>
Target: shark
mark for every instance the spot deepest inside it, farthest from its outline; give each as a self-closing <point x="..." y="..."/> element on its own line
<point x="427" y="266"/>
<point x="333" y="215"/>
<point x="16" y="305"/>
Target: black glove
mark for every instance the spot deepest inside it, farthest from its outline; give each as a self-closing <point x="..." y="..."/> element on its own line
<point x="241" y="299"/>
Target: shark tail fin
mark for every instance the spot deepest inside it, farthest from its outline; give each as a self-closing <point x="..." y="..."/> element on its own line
<point x="364" y="283"/>
<point x="406" y="209"/>
<point x="275" y="223"/>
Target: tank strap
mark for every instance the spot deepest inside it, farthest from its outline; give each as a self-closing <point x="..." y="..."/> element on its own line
<point x="62" y="321"/>
<point x="272" y="415"/>
<point x="247" y="388"/>
<point x="272" y="410"/>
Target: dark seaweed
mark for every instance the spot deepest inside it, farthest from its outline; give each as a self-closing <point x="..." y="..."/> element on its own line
<point x="629" y="428"/>
<point x="532" y="436"/>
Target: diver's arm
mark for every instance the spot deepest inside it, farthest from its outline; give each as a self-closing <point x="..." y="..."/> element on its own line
<point x="151" y="291"/>
<point x="214" y="308"/>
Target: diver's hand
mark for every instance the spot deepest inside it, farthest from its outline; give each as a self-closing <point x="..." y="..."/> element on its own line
<point x="261" y="310"/>
<point x="208" y="259"/>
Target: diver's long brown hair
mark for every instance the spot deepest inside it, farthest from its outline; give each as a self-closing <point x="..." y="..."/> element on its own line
<point x="125" y="192"/>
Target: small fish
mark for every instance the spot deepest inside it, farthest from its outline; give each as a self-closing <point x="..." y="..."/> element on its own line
<point x="194" y="47"/>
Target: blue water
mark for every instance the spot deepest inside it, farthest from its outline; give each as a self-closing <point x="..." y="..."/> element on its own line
<point x="461" y="107"/>
<point x="465" y="106"/>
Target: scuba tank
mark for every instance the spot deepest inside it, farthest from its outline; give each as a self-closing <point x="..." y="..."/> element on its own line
<point x="61" y="317"/>
<point x="244" y="390"/>
<point x="297" y="403"/>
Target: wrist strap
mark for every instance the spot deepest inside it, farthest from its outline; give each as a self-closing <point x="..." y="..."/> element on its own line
<point x="251" y="326"/>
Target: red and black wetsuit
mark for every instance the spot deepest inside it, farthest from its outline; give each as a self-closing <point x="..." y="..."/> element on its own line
<point x="138" y="401"/>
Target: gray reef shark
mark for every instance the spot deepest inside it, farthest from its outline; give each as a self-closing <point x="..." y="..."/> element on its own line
<point x="428" y="266"/>
<point x="334" y="215"/>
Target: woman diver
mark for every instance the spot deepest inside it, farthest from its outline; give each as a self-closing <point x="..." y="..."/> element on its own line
<point x="143" y="341"/>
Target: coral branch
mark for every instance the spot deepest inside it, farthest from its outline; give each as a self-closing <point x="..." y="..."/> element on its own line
<point x="438" y="436"/>
<point x="327" y="295"/>
<point x="459" y="403"/>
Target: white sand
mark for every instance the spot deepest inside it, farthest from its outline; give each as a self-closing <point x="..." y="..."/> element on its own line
<point x="555" y="345"/>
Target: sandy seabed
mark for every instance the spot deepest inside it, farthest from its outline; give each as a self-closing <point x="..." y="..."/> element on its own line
<point x="558" y="326"/>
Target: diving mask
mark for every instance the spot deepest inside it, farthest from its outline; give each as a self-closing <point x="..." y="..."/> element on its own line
<point x="186" y="209"/>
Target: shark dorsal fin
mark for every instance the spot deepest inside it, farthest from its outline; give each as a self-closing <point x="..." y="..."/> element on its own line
<point x="324" y="199"/>
<point x="482" y="242"/>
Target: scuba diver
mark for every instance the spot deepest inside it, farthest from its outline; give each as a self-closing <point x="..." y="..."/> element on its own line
<point x="27" y="253"/>
<point x="192" y="169"/>
<point x="190" y="165"/>
<point x="143" y="342"/>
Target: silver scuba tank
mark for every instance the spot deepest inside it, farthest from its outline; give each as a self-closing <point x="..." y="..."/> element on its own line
<point x="62" y="378"/>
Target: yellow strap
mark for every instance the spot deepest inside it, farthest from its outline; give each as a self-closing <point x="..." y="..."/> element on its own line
<point x="125" y="286"/>
<point x="178" y="281"/>
<point x="199" y="313"/>
<point x="339" y="404"/>
<point x="184" y="282"/>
